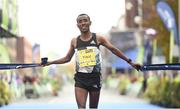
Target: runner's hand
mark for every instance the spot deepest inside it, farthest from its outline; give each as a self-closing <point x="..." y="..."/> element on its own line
<point x="135" y="65"/>
<point x="44" y="61"/>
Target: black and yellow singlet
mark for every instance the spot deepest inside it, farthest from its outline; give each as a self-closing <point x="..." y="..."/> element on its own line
<point x="88" y="61"/>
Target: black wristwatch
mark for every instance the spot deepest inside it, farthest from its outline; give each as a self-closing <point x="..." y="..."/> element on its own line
<point x="129" y="60"/>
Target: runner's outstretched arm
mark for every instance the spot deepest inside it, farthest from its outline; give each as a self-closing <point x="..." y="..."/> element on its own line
<point x="65" y="59"/>
<point x="117" y="52"/>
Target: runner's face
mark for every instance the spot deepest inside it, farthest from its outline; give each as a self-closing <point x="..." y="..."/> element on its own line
<point x="83" y="23"/>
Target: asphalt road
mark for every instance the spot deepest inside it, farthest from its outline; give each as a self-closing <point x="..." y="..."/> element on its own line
<point x="109" y="99"/>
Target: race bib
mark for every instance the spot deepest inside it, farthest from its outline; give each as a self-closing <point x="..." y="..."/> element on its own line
<point x="87" y="57"/>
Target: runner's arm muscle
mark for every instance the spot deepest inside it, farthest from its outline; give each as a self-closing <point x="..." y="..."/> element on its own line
<point x="103" y="41"/>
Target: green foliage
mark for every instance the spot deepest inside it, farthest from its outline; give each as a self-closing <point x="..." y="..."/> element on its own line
<point x="164" y="92"/>
<point x="122" y="85"/>
<point x="176" y="92"/>
<point x="152" y="84"/>
<point x="4" y="93"/>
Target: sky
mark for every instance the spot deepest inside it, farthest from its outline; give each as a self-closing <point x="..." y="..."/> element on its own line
<point x="52" y="23"/>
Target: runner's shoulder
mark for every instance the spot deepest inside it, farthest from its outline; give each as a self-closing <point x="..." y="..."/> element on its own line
<point x="100" y="38"/>
<point x="73" y="41"/>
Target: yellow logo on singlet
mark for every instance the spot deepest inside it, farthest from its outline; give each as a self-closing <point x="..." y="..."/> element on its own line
<point x="87" y="57"/>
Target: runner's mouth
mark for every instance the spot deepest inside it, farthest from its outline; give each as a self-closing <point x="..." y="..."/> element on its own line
<point x="84" y="27"/>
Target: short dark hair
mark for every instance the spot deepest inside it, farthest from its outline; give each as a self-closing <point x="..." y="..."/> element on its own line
<point x="83" y="15"/>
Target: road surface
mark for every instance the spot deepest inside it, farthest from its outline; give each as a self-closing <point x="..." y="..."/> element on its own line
<point x="109" y="99"/>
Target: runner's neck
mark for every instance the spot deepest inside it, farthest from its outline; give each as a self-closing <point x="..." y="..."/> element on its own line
<point x="86" y="37"/>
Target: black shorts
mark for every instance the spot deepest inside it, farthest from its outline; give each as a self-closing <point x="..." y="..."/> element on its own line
<point x="88" y="88"/>
<point x="90" y="82"/>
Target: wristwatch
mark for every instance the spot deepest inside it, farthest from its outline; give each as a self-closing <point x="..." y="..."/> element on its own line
<point x="129" y="60"/>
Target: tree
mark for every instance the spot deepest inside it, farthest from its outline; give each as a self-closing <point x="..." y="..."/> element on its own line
<point x="152" y="20"/>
